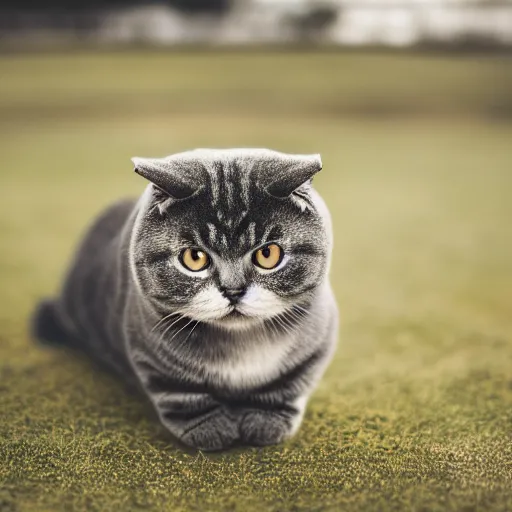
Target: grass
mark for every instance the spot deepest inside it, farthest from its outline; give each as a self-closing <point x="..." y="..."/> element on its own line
<point x="415" y="411"/>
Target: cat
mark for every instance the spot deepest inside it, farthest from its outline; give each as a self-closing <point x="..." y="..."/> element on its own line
<point x="211" y="292"/>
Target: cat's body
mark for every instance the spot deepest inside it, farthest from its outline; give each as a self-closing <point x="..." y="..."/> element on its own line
<point x="227" y="351"/>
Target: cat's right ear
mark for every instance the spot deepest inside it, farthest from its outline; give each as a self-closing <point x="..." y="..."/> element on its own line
<point x="168" y="175"/>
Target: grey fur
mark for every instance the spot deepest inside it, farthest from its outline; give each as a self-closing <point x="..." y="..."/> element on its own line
<point x="128" y="301"/>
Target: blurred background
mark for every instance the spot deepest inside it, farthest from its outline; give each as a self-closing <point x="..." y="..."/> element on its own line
<point x="410" y="105"/>
<point x="397" y="23"/>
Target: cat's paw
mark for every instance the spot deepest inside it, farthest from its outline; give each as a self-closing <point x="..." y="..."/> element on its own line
<point x="214" y="433"/>
<point x="262" y="428"/>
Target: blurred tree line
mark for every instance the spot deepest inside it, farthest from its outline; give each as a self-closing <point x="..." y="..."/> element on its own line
<point x="192" y="6"/>
<point x="82" y="16"/>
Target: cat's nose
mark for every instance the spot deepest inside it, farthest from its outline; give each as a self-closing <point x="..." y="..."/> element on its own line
<point x="233" y="294"/>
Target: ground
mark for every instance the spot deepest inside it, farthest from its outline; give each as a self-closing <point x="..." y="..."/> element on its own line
<point x="415" y="411"/>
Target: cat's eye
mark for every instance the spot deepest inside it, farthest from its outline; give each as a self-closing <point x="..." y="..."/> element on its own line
<point x="194" y="259"/>
<point x="268" y="256"/>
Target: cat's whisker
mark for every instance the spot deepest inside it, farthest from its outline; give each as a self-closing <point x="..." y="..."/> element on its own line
<point x="190" y="333"/>
<point x="273" y="326"/>
<point x="290" y="312"/>
<point x="289" y="317"/>
<point x="301" y="313"/>
<point x="180" y="317"/>
<point x="177" y="332"/>
<point x="300" y="308"/>
<point x="293" y="324"/>
<point x="162" y="320"/>
<point x="294" y="318"/>
<point x="299" y="317"/>
<point x="305" y="313"/>
<point x="169" y="327"/>
<point x="285" y="327"/>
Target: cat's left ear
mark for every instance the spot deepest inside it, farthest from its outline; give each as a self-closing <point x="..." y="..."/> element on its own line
<point x="292" y="172"/>
<point x="175" y="176"/>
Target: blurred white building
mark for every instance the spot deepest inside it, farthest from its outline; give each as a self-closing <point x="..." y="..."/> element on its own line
<point x="406" y="23"/>
<point x="398" y="23"/>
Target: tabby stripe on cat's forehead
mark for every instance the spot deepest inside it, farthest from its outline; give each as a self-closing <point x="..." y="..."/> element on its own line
<point x="212" y="232"/>
<point x="215" y="187"/>
<point x="230" y="192"/>
<point x="251" y="230"/>
<point x="222" y="237"/>
<point x="228" y="187"/>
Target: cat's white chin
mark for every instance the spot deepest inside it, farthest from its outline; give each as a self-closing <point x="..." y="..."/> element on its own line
<point x="236" y="322"/>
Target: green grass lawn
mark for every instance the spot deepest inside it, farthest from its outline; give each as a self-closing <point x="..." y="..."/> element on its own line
<point x="415" y="411"/>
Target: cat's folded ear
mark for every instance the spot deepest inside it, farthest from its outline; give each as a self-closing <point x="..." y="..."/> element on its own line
<point x="291" y="172"/>
<point x="176" y="177"/>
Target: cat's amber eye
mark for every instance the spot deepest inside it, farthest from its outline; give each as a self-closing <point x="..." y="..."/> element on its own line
<point x="268" y="256"/>
<point x="194" y="259"/>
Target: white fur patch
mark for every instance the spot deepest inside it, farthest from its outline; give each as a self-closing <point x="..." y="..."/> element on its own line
<point x="259" y="362"/>
<point x="261" y="303"/>
<point x="209" y="304"/>
<point x="258" y="304"/>
<point x="300" y="403"/>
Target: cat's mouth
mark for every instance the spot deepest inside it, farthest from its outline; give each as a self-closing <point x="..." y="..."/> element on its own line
<point x="236" y="320"/>
<point x="234" y="314"/>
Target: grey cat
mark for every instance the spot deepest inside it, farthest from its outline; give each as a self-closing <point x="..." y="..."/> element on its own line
<point x="210" y="292"/>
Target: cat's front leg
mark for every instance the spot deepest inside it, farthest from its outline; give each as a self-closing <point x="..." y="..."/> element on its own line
<point x="195" y="418"/>
<point x="211" y="431"/>
<point x="262" y="426"/>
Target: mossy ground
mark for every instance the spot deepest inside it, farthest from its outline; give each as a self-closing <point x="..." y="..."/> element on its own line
<point x="415" y="411"/>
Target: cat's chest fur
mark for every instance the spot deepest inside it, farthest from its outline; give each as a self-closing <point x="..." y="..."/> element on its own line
<point x="256" y="363"/>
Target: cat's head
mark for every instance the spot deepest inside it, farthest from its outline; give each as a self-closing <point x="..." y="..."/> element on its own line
<point x="230" y="237"/>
